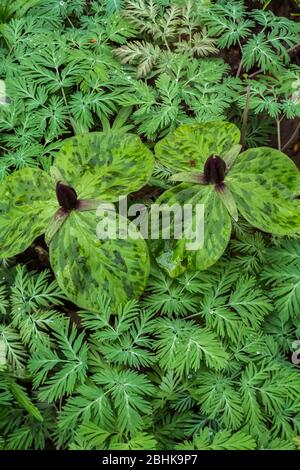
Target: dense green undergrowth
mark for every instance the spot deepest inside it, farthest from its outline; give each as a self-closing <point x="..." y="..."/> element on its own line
<point x="207" y="360"/>
<point x="201" y="362"/>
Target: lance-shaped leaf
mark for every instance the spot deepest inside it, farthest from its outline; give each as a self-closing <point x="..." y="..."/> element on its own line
<point x="191" y="144"/>
<point x="27" y="203"/>
<point x="264" y="183"/>
<point x="105" y="165"/>
<point x="176" y="255"/>
<point x="87" y="267"/>
<point x="231" y="156"/>
<point x="228" y="200"/>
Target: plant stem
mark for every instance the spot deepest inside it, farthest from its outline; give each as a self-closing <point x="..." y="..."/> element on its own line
<point x="278" y="133"/>
<point x="167" y="45"/>
<point x="266" y="4"/>
<point x="291" y="138"/>
<point x="238" y="73"/>
<point x="64" y="96"/>
<point x="70" y="22"/>
<point x="245" y="118"/>
<point x="192" y="316"/>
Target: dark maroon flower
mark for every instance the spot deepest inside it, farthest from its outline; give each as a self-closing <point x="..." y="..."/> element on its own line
<point x="66" y="196"/>
<point x="214" y="170"/>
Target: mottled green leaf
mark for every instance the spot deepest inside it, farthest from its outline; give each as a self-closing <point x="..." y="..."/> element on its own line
<point x="175" y="256"/>
<point x="191" y="144"/>
<point x="264" y="183"/>
<point x="87" y="267"/>
<point x="105" y="165"/>
<point x="27" y="203"/>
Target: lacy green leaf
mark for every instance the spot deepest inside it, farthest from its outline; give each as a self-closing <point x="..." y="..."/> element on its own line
<point x="27" y="203"/>
<point x="105" y="165"/>
<point x="87" y="267"/>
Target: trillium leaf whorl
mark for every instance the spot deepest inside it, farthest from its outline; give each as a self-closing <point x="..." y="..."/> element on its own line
<point x="92" y="168"/>
<point x="261" y="184"/>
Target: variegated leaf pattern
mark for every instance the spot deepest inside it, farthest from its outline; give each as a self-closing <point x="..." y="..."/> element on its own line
<point x="264" y="183"/>
<point x="87" y="267"/>
<point x="105" y="165"/>
<point x="173" y="255"/>
<point x="27" y="204"/>
<point x="191" y="144"/>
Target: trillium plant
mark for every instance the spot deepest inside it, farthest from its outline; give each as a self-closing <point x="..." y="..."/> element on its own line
<point x="88" y="170"/>
<point x="260" y="183"/>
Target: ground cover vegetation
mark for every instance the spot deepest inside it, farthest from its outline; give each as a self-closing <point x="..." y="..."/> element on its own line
<point x="152" y="347"/>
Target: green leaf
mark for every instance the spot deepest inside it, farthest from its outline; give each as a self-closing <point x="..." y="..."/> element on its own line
<point x="231" y="156"/>
<point x="176" y="255"/>
<point x="23" y="399"/>
<point x="93" y="435"/>
<point x="66" y="372"/>
<point x="27" y="203"/>
<point x="264" y="182"/>
<point x="191" y="144"/>
<point x="228" y="201"/>
<point x="222" y="440"/>
<point x="105" y="165"/>
<point x="183" y="346"/>
<point x="87" y="267"/>
<point x="130" y="394"/>
<point x="141" y="441"/>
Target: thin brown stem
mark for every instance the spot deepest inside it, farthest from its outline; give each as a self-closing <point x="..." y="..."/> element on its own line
<point x="192" y="316"/>
<point x="238" y="73"/>
<point x="245" y="118"/>
<point x="279" y="133"/>
<point x="292" y="49"/>
<point x="291" y="139"/>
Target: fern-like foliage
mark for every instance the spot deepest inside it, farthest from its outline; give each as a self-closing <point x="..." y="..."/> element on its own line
<point x="165" y="27"/>
<point x="282" y="275"/>
<point x="202" y="362"/>
<point x="267" y="48"/>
